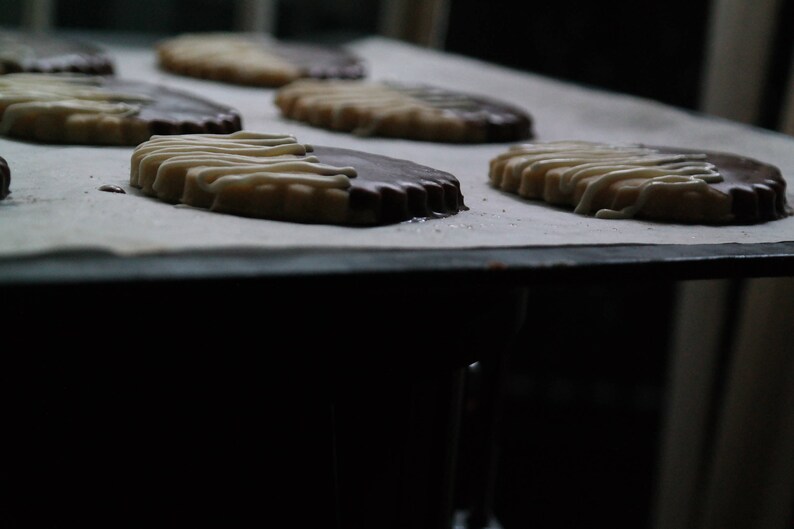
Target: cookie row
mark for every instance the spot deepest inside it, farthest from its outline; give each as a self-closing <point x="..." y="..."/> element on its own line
<point x="194" y="151"/>
<point x="417" y="112"/>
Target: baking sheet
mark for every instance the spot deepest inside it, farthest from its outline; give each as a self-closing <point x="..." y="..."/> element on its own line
<point x="56" y="203"/>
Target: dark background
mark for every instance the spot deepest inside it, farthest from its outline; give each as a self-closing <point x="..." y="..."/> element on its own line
<point x="649" y="49"/>
<point x="583" y="406"/>
<point x="652" y="49"/>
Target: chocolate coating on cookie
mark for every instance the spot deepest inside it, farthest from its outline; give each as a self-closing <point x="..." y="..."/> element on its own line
<point x="273" y="176"/>
<point x="172" y="111"/>
<point x="98" y="110"/>
<point x="757" y="189"/>
<point x="321" y="62"/>
<point x="400" y="110"/>
<point x="5" y="178"/>
<point x="663" y="184"/>
<point x="254" y="59"/>
<point x="399" y="190"/>
<point x="497" y="121"/>
<point x="23" y="52"/>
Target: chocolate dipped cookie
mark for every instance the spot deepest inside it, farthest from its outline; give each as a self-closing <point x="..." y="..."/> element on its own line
<point x="5" y="178"/>
<point x="644" y="182"/>
<point x="44" y="53"/>
<point x="273" y="176"/>
<point x="400" y="110"/>
<point x="254" y="59"/>
<point x="95" y="110"/>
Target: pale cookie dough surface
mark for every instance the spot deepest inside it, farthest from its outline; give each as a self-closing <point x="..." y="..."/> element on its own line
<point x="273" y="176"/>
<point x="36" y="52"/>
<point x="398" y="110"/>
<point x="93" y="110"/>
<point x="251" y="59"/>
<point x="618" y="181"/>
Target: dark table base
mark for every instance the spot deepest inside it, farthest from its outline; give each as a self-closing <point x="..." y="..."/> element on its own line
<point x="242" y="404"/>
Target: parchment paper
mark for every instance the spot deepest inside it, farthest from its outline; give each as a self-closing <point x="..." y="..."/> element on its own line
<point x="56" y="204"/>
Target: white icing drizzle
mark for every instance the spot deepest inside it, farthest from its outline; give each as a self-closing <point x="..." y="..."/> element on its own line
<point x="602" y="165"/>
<point x="217" y="161"/>
<point x="376" y="102"/>
<point x="27" y="93"/>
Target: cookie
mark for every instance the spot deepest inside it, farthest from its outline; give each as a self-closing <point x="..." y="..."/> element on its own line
<point x="253" y="59"/>
<point x="95" y="110"/>
<point x="408" y="111"/>
<point x="42" y="53"/>
<point x="273" y="176"/>
<point x="5" y="178"/>
<point x="618" y="181"/>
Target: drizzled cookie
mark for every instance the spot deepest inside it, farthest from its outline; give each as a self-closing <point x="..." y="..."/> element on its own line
<point x="655" y="183"/>
<point x="252" y="59"/>
<point x="416" y="112"/>
<point x="84" y="109"/>
<point x="273" y="176"/>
